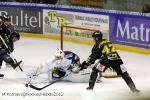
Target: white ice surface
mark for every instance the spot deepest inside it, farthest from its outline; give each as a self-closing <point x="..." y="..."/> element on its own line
<point x="34" y="51"/>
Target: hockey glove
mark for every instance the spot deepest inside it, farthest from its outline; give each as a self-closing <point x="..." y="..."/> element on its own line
<point x="15" y="36"/>
<point x="84" y="65"/>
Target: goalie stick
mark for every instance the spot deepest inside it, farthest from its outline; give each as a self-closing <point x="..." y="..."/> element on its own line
<point x="11" y="54"/>
<point x="41" y="88"/>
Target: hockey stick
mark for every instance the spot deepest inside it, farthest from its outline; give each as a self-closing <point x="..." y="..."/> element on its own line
<point x="29" y="83"/>
<point x="41" y="88"/>
<point x="33" y="76"/>
<point x="11" y="54"/>
<point x="38" y="88"/>
<point x="17" y="62"/>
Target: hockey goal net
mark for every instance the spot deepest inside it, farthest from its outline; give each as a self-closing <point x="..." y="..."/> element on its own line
<point x="81" y="36"/>
<point x="76" y="34"/>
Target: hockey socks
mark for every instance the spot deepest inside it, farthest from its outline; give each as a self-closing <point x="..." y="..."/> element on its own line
<point x="93" y="78"/>
<point x="130" y="83"/>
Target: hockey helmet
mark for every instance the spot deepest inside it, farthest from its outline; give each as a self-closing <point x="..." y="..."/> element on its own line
<point x="6" y="20"/>
<point x="97" y="35"/>
<point x="59" y="54"/>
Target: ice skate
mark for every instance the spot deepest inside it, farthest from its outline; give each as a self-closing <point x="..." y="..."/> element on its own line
<point x="89" y="88"/>
<point x="136" y="92"/>
<point x="1" y="76"/>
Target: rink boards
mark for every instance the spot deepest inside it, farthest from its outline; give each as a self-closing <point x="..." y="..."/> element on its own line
<point x="127" y="30"/>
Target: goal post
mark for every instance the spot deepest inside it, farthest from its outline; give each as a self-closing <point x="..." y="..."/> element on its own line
<point x="75" y="31"/>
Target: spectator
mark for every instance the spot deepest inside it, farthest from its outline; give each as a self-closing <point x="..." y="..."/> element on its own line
<point x="7" y="0"/>
<point x="3" y="0"/>
<point x="26" y="1"/>
<point x="45" y="1"/>
<point x="146" y="8"/>
<point x="11" y="1"/>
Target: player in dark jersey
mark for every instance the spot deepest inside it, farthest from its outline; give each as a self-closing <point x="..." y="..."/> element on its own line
<point x="7" y="39"/>
<point x="108" y="56"/>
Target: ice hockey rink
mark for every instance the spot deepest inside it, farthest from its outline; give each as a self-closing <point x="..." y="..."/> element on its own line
<point x="34" y="51"/>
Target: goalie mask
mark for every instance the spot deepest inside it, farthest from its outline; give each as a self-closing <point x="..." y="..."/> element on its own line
<point x="59" y="54"/>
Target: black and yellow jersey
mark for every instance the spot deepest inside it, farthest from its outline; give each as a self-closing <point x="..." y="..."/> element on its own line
<point x="103" y="50"/>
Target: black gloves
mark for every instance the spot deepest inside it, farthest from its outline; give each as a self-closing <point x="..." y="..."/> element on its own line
<point x="84" y="65"/>
<point x="15" y="36"/>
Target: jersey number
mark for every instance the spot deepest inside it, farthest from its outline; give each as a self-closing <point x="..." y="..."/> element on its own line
<point x="108" y="50"/>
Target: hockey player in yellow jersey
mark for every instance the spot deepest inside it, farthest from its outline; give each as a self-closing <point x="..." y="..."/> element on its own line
<point x="106" y="53"/>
